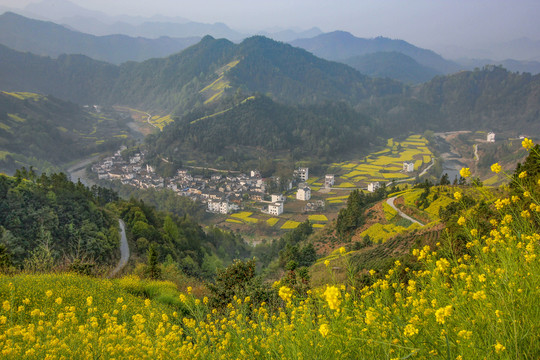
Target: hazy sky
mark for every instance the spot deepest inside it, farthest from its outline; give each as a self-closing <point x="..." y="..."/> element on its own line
<point x="422" y="22"/>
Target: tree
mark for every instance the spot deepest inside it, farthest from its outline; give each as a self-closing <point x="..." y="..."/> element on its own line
<point x="152" y="270"/>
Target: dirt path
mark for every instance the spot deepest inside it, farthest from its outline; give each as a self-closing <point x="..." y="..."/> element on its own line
<point x="390" y="201"/>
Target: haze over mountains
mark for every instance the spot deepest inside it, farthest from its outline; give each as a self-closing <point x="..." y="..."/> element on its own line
<point x="521" y="54"/>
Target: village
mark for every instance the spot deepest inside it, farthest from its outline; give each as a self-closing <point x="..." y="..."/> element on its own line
<point x="221" y="193"/>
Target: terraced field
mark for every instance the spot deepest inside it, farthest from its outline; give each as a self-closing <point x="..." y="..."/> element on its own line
<point x="384" y="165"/>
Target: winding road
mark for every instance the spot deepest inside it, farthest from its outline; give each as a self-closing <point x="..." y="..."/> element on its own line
<point x="124" y="250"/>
<point x="390" y="201"/>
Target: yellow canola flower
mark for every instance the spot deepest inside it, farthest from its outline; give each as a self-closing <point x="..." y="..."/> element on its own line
<point x="522" y="174"/>
<point x="324" y="330"/>
<point x="48" y="293"/>
<point x="496" y="168"/>
<point x="465" y="172"/>
<point x="410" y="330"/>
<point x="326" y="262"/>
<point x="58" y="301"/>
<point x="6" y="305"/>
<point x="333" y="297"/>
<point x="342" y="250"/>
<point x="285" y="293"/>
<point x="527" y="144"/>
<point x="461" y="221"/>
<point x="457" y="195"/>
<point x="89" y="301"/>
<point x="499" y="347"/>
<point x="442" y="313"/>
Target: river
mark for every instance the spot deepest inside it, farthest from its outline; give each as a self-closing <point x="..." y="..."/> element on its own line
<point x="451" y="163"/>
<point x="78" y="170"/>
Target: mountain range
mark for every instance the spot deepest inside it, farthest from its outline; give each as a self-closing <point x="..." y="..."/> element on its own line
<point x="258" y="64"/>
<point x="49" y="39"/>
<point x="372" y="57"/>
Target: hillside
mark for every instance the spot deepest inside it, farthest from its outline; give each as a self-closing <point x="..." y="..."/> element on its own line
<point x="265" y="66"/>
<point x="471" y="294"/>
<point x="488" y="99"/>
<point x="341" y="45"/>
<point x="491" y="98"/>
<point x="75" y="78"/>
<point x="49" y="220"/>
<point x="45" y="132"/>
<point x="49" y="39"/>
<point x="262" y="127"/>
<point x="393" y="65"/>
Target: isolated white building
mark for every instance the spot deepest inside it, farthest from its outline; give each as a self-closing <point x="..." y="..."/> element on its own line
<point x="277" y="198"/>
<point x="408" y="166"/>
<point x="491" y="137"/>
<point x="329" y="180"/>
<point x="302" y="174"/>
<point x="303" y="193"/>
<point x="373" y="186"/>
<point x="275" y="208"/>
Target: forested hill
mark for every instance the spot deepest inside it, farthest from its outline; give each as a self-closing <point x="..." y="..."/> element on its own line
<point x="491" y="98"/>
<point x="48" y="222"/>
<point x="258" y="64"/>
<point x="294" y="75"/>
<point x="488" y="98"/>
<point x="75" y="78"/>
<point x="45" y="131"/>
<point x="268" y="127"/>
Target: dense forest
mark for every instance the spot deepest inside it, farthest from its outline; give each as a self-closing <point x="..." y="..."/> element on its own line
<point x="261" y="127"/>
<point x="49" y="220"/>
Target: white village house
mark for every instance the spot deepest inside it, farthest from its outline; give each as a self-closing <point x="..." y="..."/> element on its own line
<point x="329" y="180"/>
<point x="491" y="137"/>
<point x="275" y="208"/>
<point x="302" y="173"/>
<point x="408" y="166"/>
<point x="373" y="186"/>
<point x="303" y="193"/>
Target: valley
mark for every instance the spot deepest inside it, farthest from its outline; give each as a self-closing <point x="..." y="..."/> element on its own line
<point x="201" y="196"/>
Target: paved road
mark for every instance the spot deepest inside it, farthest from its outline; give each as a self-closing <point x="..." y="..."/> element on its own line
<point x="124" y="250"/>
<point x="390" y="201"/>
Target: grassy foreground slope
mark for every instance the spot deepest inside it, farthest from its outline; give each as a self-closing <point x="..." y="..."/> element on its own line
<point x="473" y="296"/>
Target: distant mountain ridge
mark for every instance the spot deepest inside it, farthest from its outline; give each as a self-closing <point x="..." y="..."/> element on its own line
<point x="288" y="74"/>
<point x="50" y="39"/>
<point x="393" y="65"/>
<point x="341" y="45"/>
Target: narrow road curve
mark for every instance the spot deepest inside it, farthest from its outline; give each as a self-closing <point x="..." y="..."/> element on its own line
<point x="390" y="201"/>
<point x="149" y="123"/>
<point x="476" y="152"/>
<point x="124" y="250"/>
<point x="429" y="167"/>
